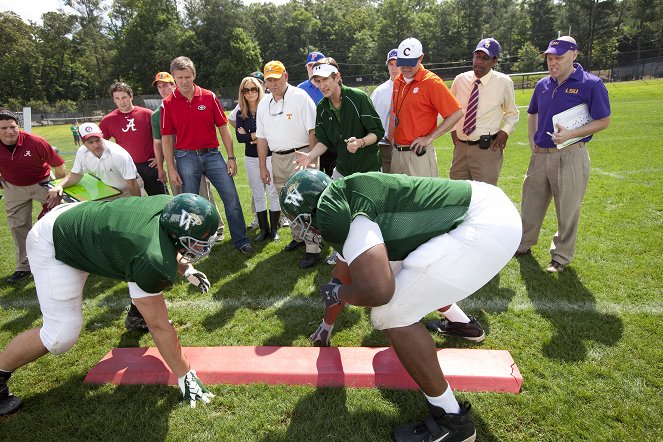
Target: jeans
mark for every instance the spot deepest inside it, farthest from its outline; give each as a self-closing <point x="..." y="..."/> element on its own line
<point x="191" y="166"/>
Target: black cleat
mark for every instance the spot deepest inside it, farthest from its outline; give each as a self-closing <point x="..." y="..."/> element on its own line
<point x="135" y="321"/>
<point x="472" y="331"/>
<point x="439" y="426"/>
<point x="17" y="276"/>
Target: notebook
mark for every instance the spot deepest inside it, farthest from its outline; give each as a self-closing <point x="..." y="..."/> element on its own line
<point x="572" y="118"/>
<point x="89" y="188"/>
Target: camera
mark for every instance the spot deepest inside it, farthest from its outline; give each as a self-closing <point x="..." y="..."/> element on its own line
<point x="484" y="141"/>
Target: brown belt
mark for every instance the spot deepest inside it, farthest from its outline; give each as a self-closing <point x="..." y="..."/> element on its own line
<point x="286" y="152"/>
<point x="201" y="151"/>
<point x="472" y="143"/>
<point x="401" y="148"/>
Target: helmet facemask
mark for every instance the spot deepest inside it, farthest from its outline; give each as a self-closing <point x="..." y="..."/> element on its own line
<point x="303" y="229"/>
<point x="196" y="249"/>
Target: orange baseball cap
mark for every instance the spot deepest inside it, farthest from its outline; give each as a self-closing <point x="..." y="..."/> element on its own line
<point x="163" y="76"/>
<point x="274" y="69"/>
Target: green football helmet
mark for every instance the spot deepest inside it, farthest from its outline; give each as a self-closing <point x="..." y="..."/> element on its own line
<point x="299" y="200"/>
<point x="190" y="221"/>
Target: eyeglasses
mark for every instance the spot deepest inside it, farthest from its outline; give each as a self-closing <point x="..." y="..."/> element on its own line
<point x="247" y="90"/>
<point x="276" y="106"/>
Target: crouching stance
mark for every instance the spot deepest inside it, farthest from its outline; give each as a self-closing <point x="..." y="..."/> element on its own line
<point x="409" y="245"/>
<point x="145" y="241"/>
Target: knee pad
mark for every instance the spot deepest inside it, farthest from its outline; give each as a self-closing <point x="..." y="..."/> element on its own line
<point x="61" y="340"/>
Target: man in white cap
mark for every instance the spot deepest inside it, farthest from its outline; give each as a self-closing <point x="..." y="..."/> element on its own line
<point x="419" y="97"/>
<point x="381" y="98"/>
<point x="104" y="159"/>
<point x="490" y="114"/>
<point x="559" y="167"/>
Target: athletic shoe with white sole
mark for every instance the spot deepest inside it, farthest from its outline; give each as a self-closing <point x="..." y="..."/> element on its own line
<point x="439" y="426"/>
<point x="472" y="331"/>
<point x="320" y="338"/>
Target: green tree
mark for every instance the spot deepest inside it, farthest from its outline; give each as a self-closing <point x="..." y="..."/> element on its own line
<point x="529" y="59"/>
<point x="243" y="58"/>
<point x="20" y="61"/>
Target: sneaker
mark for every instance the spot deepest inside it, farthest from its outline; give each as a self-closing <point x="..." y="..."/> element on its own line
<point x="8" y="402"/>
<point x="472" y="331"/>
<point x="219" y="236"/>
<point x="253" y="225"/>
<point x="309" y="260"/>
<point x="135" y="321"/>
<point x="292" y="245"/>
<point x="523" y="253"/>
<point x="247" y="249"/>
<point x="440" y="426"/>
<point x="320" y="338"/>
<point x="284" y="222"/>
<point x="18" y="276"/>
<point x="555" y="267"/>
<point x="331" y="259"/>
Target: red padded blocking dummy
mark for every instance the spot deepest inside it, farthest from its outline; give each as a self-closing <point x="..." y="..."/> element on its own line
<point x="465" y="369"/>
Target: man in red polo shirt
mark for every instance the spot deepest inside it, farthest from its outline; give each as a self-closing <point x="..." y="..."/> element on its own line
<point x="25" y="161"/>
<point x="131" y="126"/>
<point x="190" y="117"/>
<point x="418" y="97"/>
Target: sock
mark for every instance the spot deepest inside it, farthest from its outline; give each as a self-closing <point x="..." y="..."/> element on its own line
<point x="133" y="310"/>
<point x="447" y="401"/>
<point x="326" y="326"/>
<point x="5" y="375"/>
<point x="455" y="314"/>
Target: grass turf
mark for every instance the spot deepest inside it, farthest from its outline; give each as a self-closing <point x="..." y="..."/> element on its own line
<point x="586" y="340"/>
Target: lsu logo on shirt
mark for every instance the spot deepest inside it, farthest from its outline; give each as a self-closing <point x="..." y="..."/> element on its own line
<point x="571" y="90"/>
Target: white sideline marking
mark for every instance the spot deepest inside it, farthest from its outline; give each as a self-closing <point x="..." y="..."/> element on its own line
<point x="314" y="304"/>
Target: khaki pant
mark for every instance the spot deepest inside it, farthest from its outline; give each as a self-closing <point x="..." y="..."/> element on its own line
<point x="283" y="168"/>
<point x="470" y="162"/>
<point x="562" y="175"/>
<point x="409" y="163"/>
<point x="18" y="207"/>
<point x="206" y="192"/>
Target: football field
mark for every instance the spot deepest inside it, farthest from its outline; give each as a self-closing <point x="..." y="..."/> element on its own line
<point x="587" y="341"/>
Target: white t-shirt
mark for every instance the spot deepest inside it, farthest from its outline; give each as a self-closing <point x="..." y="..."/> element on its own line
<point x="286" y="123"/>
<point x="114" y="167"/>
<point x="232" y="116"/>
<point x="381" y="98"/>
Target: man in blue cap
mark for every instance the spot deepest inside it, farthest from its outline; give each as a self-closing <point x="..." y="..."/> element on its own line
<point x="559" y="167"/>
<point x="381" y="98"/>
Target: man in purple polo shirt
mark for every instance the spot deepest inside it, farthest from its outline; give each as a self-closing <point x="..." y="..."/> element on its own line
<point x="561" y="174"/>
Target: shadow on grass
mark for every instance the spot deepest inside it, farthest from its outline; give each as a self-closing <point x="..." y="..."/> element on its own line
<point x="75" y="411"/>
<point x="571" y="309"/>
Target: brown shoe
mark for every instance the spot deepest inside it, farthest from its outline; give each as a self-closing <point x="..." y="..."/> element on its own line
<point x="555" y="267"/>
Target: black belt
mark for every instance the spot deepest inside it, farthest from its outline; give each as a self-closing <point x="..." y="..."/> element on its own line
<point x="201" y="151"/>
<point x="401" y="148"/>
<point x="472" y="143"/>
<point x="286" y="152"/>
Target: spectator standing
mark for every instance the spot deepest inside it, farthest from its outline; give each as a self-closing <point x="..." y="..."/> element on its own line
<point x="74" y="133"/>
<point x="381" y="98"/>
<point x="190" y="117"/>
<point x="250" y="94"/>
<point x="131" y="128"/>
<point x="490" y="114"/>
<point x="285" y="124"/>
<point x="419" y="96"/>
<point x="25" y="162"/>
<point x="560" y="174"/>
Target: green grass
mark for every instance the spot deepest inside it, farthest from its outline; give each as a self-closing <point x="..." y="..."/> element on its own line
<point x="587" y="341"/>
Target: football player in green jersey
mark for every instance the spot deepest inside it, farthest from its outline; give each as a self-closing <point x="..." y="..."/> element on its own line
<point x="408" y="246"/>
<point x="146" y="241"/>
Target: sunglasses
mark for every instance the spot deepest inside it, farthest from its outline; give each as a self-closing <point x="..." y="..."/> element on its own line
<point x="250" y="89"/>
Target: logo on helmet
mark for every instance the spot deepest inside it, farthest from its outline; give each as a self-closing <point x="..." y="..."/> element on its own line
<point x="187" y="219"/>
<point x="294" y="197"/>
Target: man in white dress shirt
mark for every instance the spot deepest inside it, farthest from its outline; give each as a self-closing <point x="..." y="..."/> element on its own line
<point x="381" y="98"/>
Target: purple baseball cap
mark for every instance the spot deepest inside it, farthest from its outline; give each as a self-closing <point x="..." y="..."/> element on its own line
<point x="490" y="46"/>
<point x="314" y="56"/>
<point x="560" y="47"/>
<point x="392" y="55"/>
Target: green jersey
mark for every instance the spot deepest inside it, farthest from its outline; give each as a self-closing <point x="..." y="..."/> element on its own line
<point x="156" y="124"/>
<point x="120" y="239"/>
<point x="408" y="210"/>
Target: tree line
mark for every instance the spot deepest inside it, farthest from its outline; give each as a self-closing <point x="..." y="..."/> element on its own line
<point x="71" y="57"/>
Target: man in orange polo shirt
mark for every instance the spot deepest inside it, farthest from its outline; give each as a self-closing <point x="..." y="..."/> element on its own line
<point x="419" y="96"/>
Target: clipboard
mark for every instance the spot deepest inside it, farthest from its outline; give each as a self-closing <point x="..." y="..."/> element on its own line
<point x="89" y="188"/>
<point x="572" y="118"/>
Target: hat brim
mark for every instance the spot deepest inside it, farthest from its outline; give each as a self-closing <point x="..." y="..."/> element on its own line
<point x="275" y="75"/>
<point x="486" y="51"/>
<point x="410" y="62"/>
<point x="154" y="83"/>
<point x="556" y="51"/>
<point x="86" y="136"/>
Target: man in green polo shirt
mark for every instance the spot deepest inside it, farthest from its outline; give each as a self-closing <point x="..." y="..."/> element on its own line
<point x="145" y="241"/>
<point x="408" y="246"/>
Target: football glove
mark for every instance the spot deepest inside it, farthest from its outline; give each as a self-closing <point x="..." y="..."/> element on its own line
<point x="329" y="292"/>
<point x="199" y="279"/>
<point x="193" y="389"/>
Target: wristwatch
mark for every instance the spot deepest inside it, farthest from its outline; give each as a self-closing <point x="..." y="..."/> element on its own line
<point x="232" y="158"/>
